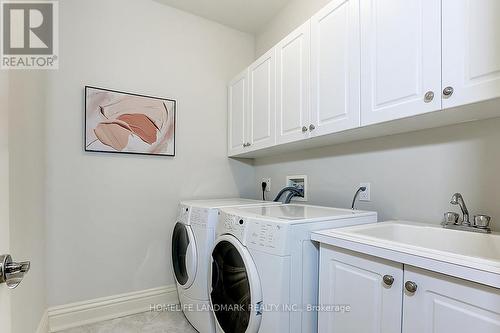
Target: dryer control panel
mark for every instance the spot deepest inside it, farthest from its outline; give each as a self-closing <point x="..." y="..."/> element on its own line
<point x="183" y="214"/>
<point x="199" y="216"/>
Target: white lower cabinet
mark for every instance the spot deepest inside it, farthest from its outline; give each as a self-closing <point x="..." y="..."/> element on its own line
<point x="376" y="292"/>
<point x="357" y="281"/>
<point x="443" y="304"/>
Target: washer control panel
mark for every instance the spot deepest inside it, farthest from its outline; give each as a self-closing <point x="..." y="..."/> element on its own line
<point x="267" y="236"/>
<point x="263" y="235"/>
<point x="232" y="224"/>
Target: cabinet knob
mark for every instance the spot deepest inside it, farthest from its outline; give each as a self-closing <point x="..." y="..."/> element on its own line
<point x="312" y="127"/>
<point x="388" y="280"/>
<point x="304" y="129"/>
<point x="411" y="286"/>
<point x="248" y="144"/>
<point x="447" y="92"/>
<point x="429" y="97"/>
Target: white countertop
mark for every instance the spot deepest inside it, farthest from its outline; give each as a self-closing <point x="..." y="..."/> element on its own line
<point x="467" y="255"/>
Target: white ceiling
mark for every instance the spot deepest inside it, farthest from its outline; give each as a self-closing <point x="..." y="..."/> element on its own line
<point x="244" y="15"/>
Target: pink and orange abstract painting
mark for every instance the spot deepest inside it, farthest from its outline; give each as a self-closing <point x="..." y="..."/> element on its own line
<point x="129" y="123"/>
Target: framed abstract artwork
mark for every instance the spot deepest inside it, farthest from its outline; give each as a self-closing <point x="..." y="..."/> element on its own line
<point x="119" y="122"/>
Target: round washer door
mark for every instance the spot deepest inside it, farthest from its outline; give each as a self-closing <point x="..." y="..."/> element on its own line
<point x="184" y="256"/>
<point x="235" y="294"/>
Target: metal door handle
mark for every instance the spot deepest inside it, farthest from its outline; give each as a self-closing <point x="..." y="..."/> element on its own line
<point x="12" y="273"/>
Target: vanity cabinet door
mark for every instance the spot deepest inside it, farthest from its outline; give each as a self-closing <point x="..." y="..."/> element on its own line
<point x="444" y="304"/>
<point x="400" y="59"/>
<point x="335" y="68"/>
<point x="471" y="51"/>
<point x="262" y="102"/>
<point x="237" y="115"/>
<point x="357" y="281"/>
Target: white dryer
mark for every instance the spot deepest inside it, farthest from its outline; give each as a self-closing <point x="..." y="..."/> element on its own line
<point x="264" y="266"/>
<point x="192" y="240"/>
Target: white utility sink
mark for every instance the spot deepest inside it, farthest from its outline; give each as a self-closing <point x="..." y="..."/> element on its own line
<point x="422" y="244"/>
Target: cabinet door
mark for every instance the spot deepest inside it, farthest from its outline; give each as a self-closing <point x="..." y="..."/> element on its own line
<point x="471" y="50"/>
<point x="357" y="280"/>
<point x="335" y="67"/>
<point x="443" y="304"/>
<point x="400" y="58"/>
<point x="262" y="107"/>
<point x="237" y="104"/>
<point x="293" y="85"/>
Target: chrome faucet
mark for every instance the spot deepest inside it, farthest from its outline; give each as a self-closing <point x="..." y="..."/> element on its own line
<point x="458" y="199"/>
<point x="452" y="219"/>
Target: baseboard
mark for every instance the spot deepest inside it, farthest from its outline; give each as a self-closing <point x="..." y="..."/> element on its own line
<point x="43" y="327"/>
<point x="106" y="308"/>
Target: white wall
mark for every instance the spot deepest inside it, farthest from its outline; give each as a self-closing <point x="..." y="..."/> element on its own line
<point x="27" y="195"/>
<point x="412" y="175"/>
<point x="110" y="216"/>
<point x="289" y="18"/>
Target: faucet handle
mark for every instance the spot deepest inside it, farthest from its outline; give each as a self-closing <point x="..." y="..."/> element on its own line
<point x="450" y="218"/>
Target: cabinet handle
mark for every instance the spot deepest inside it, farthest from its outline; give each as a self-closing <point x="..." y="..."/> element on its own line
<point x="411" y="286"/>
<point x="447" y="92"/>
<point x="248" y="144"/>
<point x="388" y="280"/>
<point x="304" y="129"/>
<point x="429" y="97"/>
<point x="312" y="127"/>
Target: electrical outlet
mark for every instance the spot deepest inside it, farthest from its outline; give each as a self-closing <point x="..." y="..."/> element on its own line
<point x="298" y="181"/>
<point x="268" y="182"/>
<point x="365" y="195"/>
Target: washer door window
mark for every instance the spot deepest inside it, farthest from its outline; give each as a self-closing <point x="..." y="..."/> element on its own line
<point x="236" y="294"/>
<point x="184" y="255"/>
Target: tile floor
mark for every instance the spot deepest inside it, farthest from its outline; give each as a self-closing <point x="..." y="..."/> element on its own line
<point x="149" y="322"/>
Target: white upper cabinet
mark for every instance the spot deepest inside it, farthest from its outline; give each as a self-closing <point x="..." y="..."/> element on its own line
<point x="443" y="304"/>
<point x="372" y="287"/>
<point x="293" y="85"/>
<point x="361" y="62"/>
<point x="471" y="51"/>
<point x="237" y="115"/>
<point x="335" y="68"/>
<point x="400" y="59"/>
<point x="262" y="102"/>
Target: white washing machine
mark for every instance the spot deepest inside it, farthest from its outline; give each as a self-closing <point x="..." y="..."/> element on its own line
<point x="192" y="240"/>
<point x="264" y="266"/>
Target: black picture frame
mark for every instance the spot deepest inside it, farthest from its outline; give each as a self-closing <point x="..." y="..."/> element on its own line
<point x="85" y="145"/>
